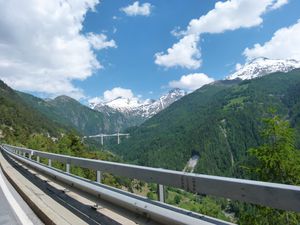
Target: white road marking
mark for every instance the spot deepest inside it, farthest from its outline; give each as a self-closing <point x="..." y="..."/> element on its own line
<point x="14" y="204"/>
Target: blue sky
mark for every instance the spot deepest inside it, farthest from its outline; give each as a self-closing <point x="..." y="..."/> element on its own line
<point x="132" y="52"/>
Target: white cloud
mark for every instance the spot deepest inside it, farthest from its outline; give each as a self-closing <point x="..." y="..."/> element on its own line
<point x="279" y="3"/>
<point x="177" y="32"/>
<point x="238" y="66"/>
<point x="114" y="93"/>
<point x="285" y="44"/>
<point x="94" y="101"/>
<point x="229" y="15"/>
<point x="138" y="10"/>
<point x="99" y="41"/>
<point x="191" y="82"/>
<point x="184" y="53"/>
<point x="42" y="48"/>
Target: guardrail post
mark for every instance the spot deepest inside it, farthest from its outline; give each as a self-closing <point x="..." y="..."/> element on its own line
<point x="274" y="195"/>
<point x="68" y="167"/>
<point x="30" y="154"/>
<point x="49" y="162"/>
<point x="98" y="176"/>
<point x="118" y="138"/>
<point x="24" y="154"/>
<point x="38" y="159"/>
<point x="161" y="192"/>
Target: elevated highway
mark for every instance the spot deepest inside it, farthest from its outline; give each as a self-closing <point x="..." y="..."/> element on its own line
<point x="92" y="202"/>
<point x="13" y="209"/>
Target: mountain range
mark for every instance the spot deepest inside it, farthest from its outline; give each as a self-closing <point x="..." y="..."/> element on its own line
<point x="18" y="119"/>
<point x="136" y="108"/>
<point x="67" y="113"/>
<point x="72" y="114"/>
<point x="141" y="110"/>
<point x="263" y="66"/>
<point x="219" y="122"/>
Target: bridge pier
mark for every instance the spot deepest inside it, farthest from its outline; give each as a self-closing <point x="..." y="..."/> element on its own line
<point x="118" y="135"/>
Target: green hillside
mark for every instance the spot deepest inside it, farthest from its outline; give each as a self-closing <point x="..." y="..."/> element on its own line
<point x="219" y="122"/>
<point x="18" y="120"/>
<point x="71" y="113"/>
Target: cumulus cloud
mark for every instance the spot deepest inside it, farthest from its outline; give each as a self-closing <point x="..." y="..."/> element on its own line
<point x="42" y="48"/>
<point x="279" y="3"/>
<point x="229" y="15"/>
<point x="138" y="10"/>
<point x="99" y="41"/>
<point x="238" y="66"/>
<point x="285" y="44"/>
<point x="191" y="82"/>
<point x="117" y="92"/>
<point x="112" y="94"/>
<point x="184" y="53"/>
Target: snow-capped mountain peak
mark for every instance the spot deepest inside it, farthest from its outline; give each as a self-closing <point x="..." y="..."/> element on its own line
<point x="163" y="102"/>
<point x="136" y="107"/>
<point x="122" y="104"/>
<point x="119" y="103"/>
<point x="263" y="66"/>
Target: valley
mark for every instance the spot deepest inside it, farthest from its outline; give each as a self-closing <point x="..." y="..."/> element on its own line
<point x="150" y="112"/>
<point x="219" y="119"/>
<point x="208" y="131"/>
<point x="199" y="120"/>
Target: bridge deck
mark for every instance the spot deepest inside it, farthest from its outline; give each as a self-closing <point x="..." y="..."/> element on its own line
<point x="9" y="199"/>
<point x="142" y="210"/>
<point x="59" y="201"/>
<point x="274" y="195"/>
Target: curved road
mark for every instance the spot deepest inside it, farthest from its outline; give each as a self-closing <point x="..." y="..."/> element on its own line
<point x="7" y="215"/>
<point x="13" y="209"/>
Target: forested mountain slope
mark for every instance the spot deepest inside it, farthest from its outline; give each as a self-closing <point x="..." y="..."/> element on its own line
<point x="219" y="121"/>
<point x="71" y="113"/>
<point x="18" y="120"/>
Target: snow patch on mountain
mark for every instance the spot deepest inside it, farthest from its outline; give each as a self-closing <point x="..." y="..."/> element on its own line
<point x="136" y="107"/>
<point x="263" y="66"/>
<point x="122" y="104"/>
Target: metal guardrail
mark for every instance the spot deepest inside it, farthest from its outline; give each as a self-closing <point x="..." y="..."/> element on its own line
<point x="279" y="196"/>
<point x="157" y="211"/>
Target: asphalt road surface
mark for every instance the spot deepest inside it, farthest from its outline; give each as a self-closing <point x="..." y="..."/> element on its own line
<point x="13" y="209"/>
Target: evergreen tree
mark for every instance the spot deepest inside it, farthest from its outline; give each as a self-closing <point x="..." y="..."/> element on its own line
<point x="277" y="160"/>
